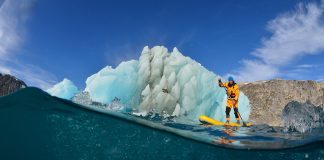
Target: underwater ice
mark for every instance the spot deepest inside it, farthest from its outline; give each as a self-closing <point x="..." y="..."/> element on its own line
<point x="84" y="99"/>
<point x="64" y="89"/>
<point x="163" y="83"/>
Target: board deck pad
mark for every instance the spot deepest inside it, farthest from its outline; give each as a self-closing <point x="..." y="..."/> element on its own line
<point x="207" y="120"/>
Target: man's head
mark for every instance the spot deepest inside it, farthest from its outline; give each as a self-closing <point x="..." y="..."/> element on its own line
<point x="230" y="80"/>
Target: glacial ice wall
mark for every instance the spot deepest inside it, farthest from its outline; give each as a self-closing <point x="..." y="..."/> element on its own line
<point x="164" y="83"/>
<point x="64" y="89"/>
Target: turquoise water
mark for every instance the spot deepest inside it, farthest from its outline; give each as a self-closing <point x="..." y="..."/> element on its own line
<point x="35" y="125"/>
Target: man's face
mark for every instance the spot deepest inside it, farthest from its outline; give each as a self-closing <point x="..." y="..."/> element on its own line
<point x="231" y="82"/>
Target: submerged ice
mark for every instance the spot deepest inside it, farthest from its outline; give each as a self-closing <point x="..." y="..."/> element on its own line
<point x="164" y="83"/>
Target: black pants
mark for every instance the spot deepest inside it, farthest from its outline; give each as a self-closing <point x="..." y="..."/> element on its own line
<point x="228" y="110"/>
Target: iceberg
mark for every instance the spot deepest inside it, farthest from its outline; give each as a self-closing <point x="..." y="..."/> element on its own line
<point x="168" y="84"/>
<point x="64" y="89"/>
<point x="163" y="83"/>
<point x="120" y="82"/>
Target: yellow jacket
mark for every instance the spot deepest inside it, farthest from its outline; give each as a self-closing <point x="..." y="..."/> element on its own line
<point x="233" y="92"/>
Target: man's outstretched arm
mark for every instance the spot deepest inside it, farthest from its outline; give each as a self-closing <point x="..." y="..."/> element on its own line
<point x="220" y="83"/>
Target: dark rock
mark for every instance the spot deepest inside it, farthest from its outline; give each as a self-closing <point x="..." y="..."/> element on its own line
<point x="302" y="117"/>
<point x="10" y="84"/>
<point x="264" y="128"/>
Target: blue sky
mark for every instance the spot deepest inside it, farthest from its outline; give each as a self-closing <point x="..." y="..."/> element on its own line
<point x="44" y="41"/>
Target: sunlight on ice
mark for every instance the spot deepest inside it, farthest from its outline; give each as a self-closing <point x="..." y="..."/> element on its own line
<point x="163" y="83"/>
<point x="64" y="89"/>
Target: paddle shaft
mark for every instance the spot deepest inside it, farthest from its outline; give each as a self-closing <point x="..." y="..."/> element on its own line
<point x="244" y="124"/>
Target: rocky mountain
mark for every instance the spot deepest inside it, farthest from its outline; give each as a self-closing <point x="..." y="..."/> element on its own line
<point x="268" y="98"/>
<point x="9" y="84"/>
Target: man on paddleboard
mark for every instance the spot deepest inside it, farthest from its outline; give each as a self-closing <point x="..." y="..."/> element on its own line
<point x="232" y="91"/>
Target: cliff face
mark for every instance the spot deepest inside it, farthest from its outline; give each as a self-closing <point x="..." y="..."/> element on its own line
<point x="9" y="84"/>
<point x="268" y="98"/>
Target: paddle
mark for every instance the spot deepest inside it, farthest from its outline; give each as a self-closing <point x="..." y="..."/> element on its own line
<point x="244" y="124"/>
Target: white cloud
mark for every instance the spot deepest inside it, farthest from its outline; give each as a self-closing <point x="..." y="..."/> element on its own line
<point x="4" y="70"/>
<point x="31" y="74"/>
<point x="8" y="25"/>
<point x="306" y="66"/>
<point x="255" y="70"/>
<point x="293" y="35"/>
<point x="13" y="15"/>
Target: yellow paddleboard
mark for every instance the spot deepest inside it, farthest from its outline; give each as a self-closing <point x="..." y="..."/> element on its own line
<point x="206" y="120"/>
